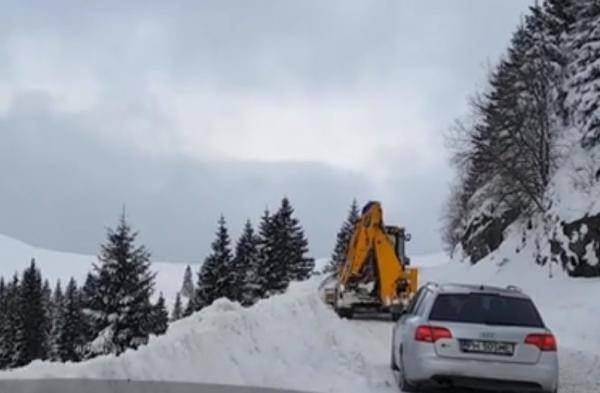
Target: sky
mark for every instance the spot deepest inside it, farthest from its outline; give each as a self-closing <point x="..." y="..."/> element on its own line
<point x="182" y="111"/>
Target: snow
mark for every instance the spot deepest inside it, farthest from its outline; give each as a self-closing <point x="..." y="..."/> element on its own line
<point x="15" y="256"/>
<point x="295" y="341"/>
<point x="287" y="341"/>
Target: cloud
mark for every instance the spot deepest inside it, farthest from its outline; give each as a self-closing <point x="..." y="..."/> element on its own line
<point x="185" y="110"/>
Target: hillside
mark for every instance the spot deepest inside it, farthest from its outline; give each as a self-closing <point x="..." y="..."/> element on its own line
<point x="527" y="153"/>
<point x="16" y="256"/>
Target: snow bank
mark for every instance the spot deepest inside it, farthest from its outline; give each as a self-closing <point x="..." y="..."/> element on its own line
<point x="295" y="341"/>
<point x="288" y="341"/>
<point x="15" y="256"/>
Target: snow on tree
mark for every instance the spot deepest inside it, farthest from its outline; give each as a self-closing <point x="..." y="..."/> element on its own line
<point x="31" y="338"/>
<point x="177" y="312"/>
<point x="3" y="322"/>
<point x="189" y="308"/>
<point x="71" y="338"/>
<point x="286" y="250"/>
<point x="245" y="278"/>
<point x="187" y="288"/>
<point x="266" y="257"/>
<point x="119" y="305"/>
<point x="48" y="306"/>
<point x="9" y="346"/>
<point x="343" y="240"/>
<point x="212" y="278"/>
<point x="584" y="72"/>
<point x="507" y="153"/>
<point x="56" y="315"/>
<point x="160" y="317"/>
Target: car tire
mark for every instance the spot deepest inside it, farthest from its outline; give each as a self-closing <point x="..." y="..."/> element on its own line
<point x="403" y="384"/>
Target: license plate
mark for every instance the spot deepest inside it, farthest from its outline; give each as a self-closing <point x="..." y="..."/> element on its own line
<point x="488" y="347"/>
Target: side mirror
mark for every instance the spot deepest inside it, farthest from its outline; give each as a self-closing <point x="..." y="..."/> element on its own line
<point x="407" y="237"/>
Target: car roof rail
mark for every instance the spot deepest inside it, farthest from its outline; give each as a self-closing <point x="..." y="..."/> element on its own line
<point x="432" y="284"/>
<point x="514" y="288"/>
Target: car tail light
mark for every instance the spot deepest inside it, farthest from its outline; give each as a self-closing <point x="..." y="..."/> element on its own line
<point x="431" y="334"/>
<point x="545" y="342"/>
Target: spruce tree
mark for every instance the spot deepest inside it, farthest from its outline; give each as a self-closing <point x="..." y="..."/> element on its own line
<point x="177" y="312"/>
<point x="187" y="288"/>
<point x="212" y="278"/>
<point x="245" y="274"/>
<point x="10" y="348"/>
<point x="33" y="333"/>
<point x="267" y="257"/>
<point x="160" y="317"/>
<point x="56" y="315"/>
<point x="49" y="307"/>
<point x="88" y="304"/>
<point x="72" y="333"/>
<point x="343" y="240"/>
<point x="120" y="305"/>
<point x="189" y="307"/>
<point x="584" y="73"/>
<point x="3" y="321"/>
<point x="290" y="248"/>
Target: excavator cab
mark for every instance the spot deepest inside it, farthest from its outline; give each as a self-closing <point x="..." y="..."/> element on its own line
<point x="399" y="237"/>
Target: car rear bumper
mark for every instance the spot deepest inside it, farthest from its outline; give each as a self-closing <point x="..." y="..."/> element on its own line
<point x="434" y="370"/>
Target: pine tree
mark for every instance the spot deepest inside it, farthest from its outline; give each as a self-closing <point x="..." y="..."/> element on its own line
<point x="343" y="240"/>
<point x="56" y="315"/>
<point x="267" y="257"/>
<point x="160" y="317"/>
<point x="212" y="278"/>
<point x="120" y="305"/>
<point x="289" y="248"/>
<point x="33" y="334"/>
<point x="584" y="72"/>
<point x="49" y="308"/>
<point x="177" y="312"/>
<point x="71" y="338"/>
<point x="244" y="274"/>
<point x="190" y="307"/>
<point x="3" y="321"/>
<point x="10" y="348"/>
<point x="88" y="304"/>
<point x="187" y="288"/>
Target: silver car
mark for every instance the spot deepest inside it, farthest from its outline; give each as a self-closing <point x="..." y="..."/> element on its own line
<point x="479" y="337"/>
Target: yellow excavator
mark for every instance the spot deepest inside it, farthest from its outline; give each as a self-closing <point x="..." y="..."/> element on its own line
<point x="375" y="277"/>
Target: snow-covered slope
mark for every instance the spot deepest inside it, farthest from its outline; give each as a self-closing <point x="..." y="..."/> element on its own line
<point x="295" y="341"/>
<point x="16" y="256"/>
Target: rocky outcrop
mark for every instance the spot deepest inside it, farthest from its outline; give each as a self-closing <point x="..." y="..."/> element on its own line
<point x="579" y="249"/>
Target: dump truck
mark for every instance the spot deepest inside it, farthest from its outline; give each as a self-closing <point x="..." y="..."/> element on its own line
<point x="375" y="277"/>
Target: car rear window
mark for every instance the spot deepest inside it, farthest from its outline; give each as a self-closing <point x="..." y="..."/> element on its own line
<point x="487" y="309"/>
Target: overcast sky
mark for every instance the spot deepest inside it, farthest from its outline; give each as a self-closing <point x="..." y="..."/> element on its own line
<point x="185" y="110"/>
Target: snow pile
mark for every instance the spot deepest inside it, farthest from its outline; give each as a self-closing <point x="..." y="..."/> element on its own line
<point x="15" y="256"/>
<point x="287" y="341"/>
<point x="295" y="341"/>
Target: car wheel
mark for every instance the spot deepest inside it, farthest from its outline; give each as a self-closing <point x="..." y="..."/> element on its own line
<point x="403" y="384"/>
